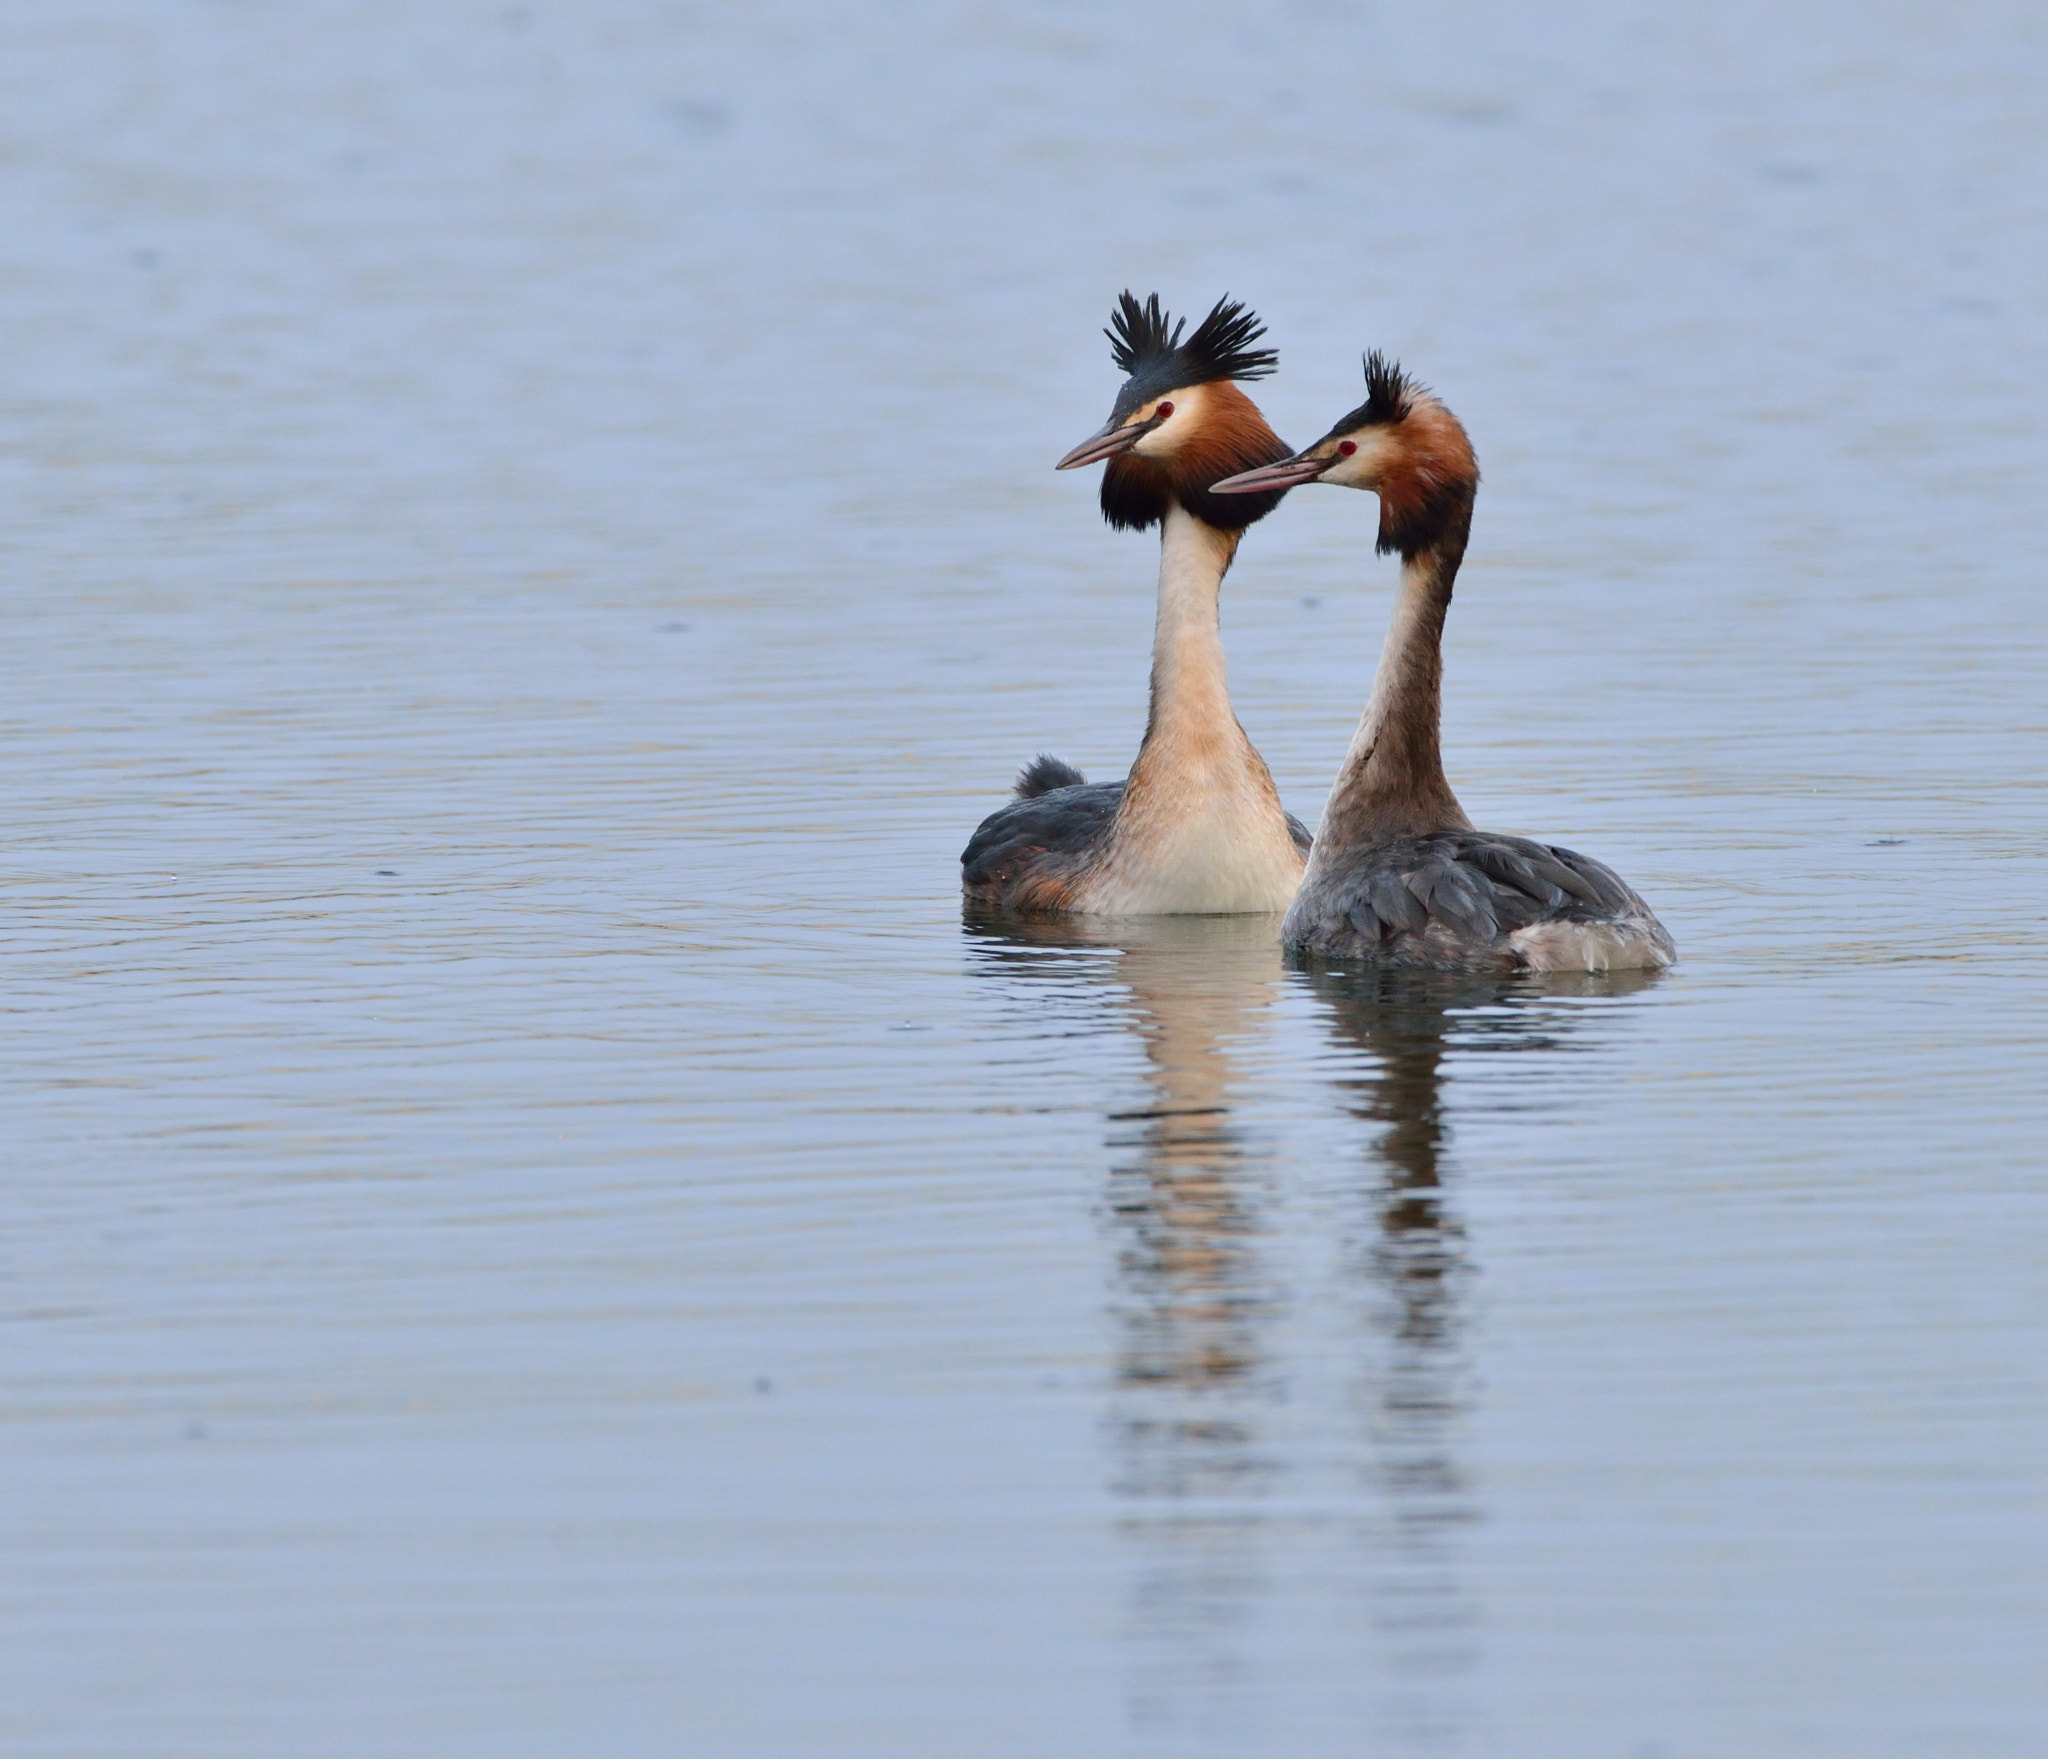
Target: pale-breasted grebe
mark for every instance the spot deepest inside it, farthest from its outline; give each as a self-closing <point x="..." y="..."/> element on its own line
<point x="1197" y="827"/>
<point x="1399" y="876"/>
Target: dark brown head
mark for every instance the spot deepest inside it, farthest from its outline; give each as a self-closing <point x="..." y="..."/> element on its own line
<point x="1179" y="424"/>
<point x="1402" y="444"/>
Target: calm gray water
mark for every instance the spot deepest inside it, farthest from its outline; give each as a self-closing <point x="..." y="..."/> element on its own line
<point x="530" y="1227"/>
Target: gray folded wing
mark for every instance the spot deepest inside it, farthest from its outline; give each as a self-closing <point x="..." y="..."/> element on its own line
<point x="1445" y="898"/>
<point x="1060" y="828"/>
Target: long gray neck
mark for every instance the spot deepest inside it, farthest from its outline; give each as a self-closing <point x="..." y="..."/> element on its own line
<point x="1392" y="783"/>
<point x="1190" y="698"/>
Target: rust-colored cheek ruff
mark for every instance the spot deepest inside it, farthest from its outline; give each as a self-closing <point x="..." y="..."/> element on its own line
<point x="1430" y="481"/>
<point x="1233" y="437"/>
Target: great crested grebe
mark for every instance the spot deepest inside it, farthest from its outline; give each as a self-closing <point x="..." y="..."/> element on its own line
<point x="1197" y="828"/>
<point x="1399" y="876"/>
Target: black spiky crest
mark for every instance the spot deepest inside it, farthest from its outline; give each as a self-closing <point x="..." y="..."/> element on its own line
<point x="1138" y="333"/>
<point x="1145" y="342"/>
<point x="1389" y="395"/>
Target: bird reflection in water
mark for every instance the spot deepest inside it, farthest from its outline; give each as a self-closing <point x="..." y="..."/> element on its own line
<point x="1188" y="1204"/>
<point x="1223" y="1431"/>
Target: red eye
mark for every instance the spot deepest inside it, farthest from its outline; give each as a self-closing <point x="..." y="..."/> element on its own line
<point x="1162" y="412"/>
<point x="1346" y="447"/>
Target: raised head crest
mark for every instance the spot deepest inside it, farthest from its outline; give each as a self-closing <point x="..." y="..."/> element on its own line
<point x="1138" y="334"/>
<point x="1389" y="395"/>
<point x="1145" y="342"/>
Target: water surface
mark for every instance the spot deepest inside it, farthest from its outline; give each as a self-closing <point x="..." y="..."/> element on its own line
<point x="532" y="1225"/>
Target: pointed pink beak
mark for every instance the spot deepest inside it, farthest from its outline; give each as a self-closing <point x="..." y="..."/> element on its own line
<point x="1289" y="473"/>
<point x="1114" y="437"/>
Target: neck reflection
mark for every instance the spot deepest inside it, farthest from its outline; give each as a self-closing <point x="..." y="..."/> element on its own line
<point x="1190" y="1203"/>
<point x="1395" y="1033"/>
<point x="1415" y="1255"/>
<point x="1185" y="1195"/>
<point x="1413" y="1050"/>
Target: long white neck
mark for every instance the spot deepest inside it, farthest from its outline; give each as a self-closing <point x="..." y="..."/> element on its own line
<point x="1200" y="827"/>
<point x="1392" y="782"/>
<point x="1190" y="695"/>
